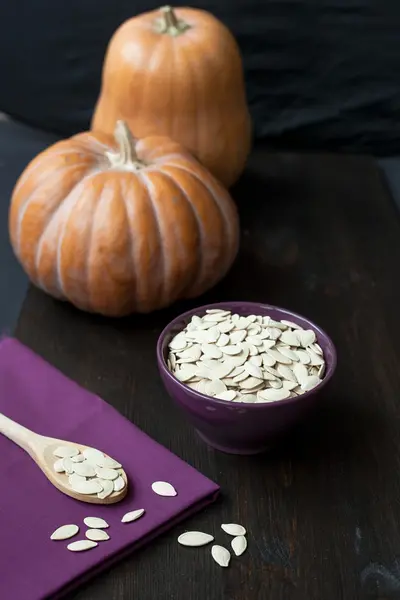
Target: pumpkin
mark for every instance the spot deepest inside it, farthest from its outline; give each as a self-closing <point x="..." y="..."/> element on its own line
<point x="121" y="226"/>
<point x="179" y="73"/>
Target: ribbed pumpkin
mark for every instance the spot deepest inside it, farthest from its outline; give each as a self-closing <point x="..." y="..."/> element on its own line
<point x="122" y="226"/>
<point x="179" y="73"/>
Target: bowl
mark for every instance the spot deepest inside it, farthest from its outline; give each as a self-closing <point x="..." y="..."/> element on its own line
<point x="235" y="427"/>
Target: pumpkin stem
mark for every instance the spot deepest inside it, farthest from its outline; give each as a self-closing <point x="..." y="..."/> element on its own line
<point x="126" y="158"/>
<point x="170" y="24"/>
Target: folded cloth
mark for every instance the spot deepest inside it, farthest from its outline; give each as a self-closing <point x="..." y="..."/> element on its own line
<point x="33" y="567"/>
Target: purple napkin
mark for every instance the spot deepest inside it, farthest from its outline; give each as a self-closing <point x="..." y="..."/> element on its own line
<point x="32" y="567"/>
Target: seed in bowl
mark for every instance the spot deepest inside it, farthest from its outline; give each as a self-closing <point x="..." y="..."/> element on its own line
<point x="246" y="359"/>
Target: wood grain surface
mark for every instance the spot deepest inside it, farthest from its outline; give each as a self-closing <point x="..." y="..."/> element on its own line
<point x="322" y="237"/>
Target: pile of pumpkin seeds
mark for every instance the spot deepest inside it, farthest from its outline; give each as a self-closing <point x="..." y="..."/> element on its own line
<point x="246" y="358"/>
<point x="220" y="554"/>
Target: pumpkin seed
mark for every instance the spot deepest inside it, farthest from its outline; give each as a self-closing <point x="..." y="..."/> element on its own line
<point x="66" y="451"/>
<point x="64" y="532"/>
<point x="97" y="535"/>
<point x="81" y="545"/>
<point x="223" y="340"/>
<point x="118" y="484"/>
<point x="89" y="486"/>
<point x="300" y="372"/>
<point x="239" y="545"/>
<point x="163" y="488"/>
<point x="253" y="370"/>
<point x="290" y="338"/>
<point x="214" y="387"/>
<point x="195" y="538"/>
<point x="310" y="382"/>
<point x="108" y="463"/>
<point x="306" y="337"/>
<point x="221" y="555"/>
<point x="233" y="529"/>
<point x="108" y="488"/>
<point x="211" y="351"/>
<point x="68" y="465"/>
<point x="231" y="349"/>
<point x="133" y="515"/>
<point x="59" y="466"/>
<point x="95" y="523"/>
<point x="85" y="469"/>
<point x="75" y="479"/>
<point x="105" y="473"/>
<point x="78" y="458"/>
<point x="274" y="394"/>
<point x="227" y="395"/>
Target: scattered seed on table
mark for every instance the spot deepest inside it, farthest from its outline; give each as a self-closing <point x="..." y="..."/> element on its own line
<point x="221" y="555"/>
<point x="81" y="545"/>
<point x="64" y="532"/>
<point x="233" y="529"/>
<point x="95" y="523"/>
<point x="195" y="538"/>
<point x="133" y="515"/>
<point x="97" y="535"/>
<point x="239" y="544"/>
<point x="163" y="488"/>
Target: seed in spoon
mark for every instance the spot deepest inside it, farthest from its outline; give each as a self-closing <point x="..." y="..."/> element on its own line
<point x="90" y="486"/>
<point x="78" y="458"/>
<point x="95" y="523"/>
<point x="81" y="545"/>
<point x="59" y="466"/>
<point x="108" y="463"/>
<point x="64" y="532"/>
<point x="163" y="488"/>
<point x="239" y="544"/>
<point x="104" y="473"/>
<point x="221" y="555"/>
<point x="118" y="484"/>
<point x="132" y="516"/>
<point x="66" y="451"/>
<point x="93" y="455"/>
<point x="68" y="465"/>
<point x="85" y="469"/>
<point x="97" y="535"/>
<point x="233" y="529"/>
<point x="195" y="538"/>
<point x="108" y="488"/>
<point x="75" y="479"/>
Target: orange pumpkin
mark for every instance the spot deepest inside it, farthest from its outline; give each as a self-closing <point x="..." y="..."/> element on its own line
<point x="179" y="73"/>
<point x="122" y="227"/>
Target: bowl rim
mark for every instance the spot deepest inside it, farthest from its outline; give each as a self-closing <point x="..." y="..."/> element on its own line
<point x="256" y="405"/>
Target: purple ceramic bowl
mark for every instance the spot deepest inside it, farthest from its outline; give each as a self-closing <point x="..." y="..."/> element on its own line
<point x="236" y="427"/>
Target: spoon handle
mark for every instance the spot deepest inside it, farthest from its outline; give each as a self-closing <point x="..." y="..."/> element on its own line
<point x="17" y="433"/>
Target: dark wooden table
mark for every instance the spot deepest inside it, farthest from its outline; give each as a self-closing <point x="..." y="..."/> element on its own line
<point x="322" y="237"/>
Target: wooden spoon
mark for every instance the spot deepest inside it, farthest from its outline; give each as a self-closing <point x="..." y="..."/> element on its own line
<point x="41" y="449"/>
